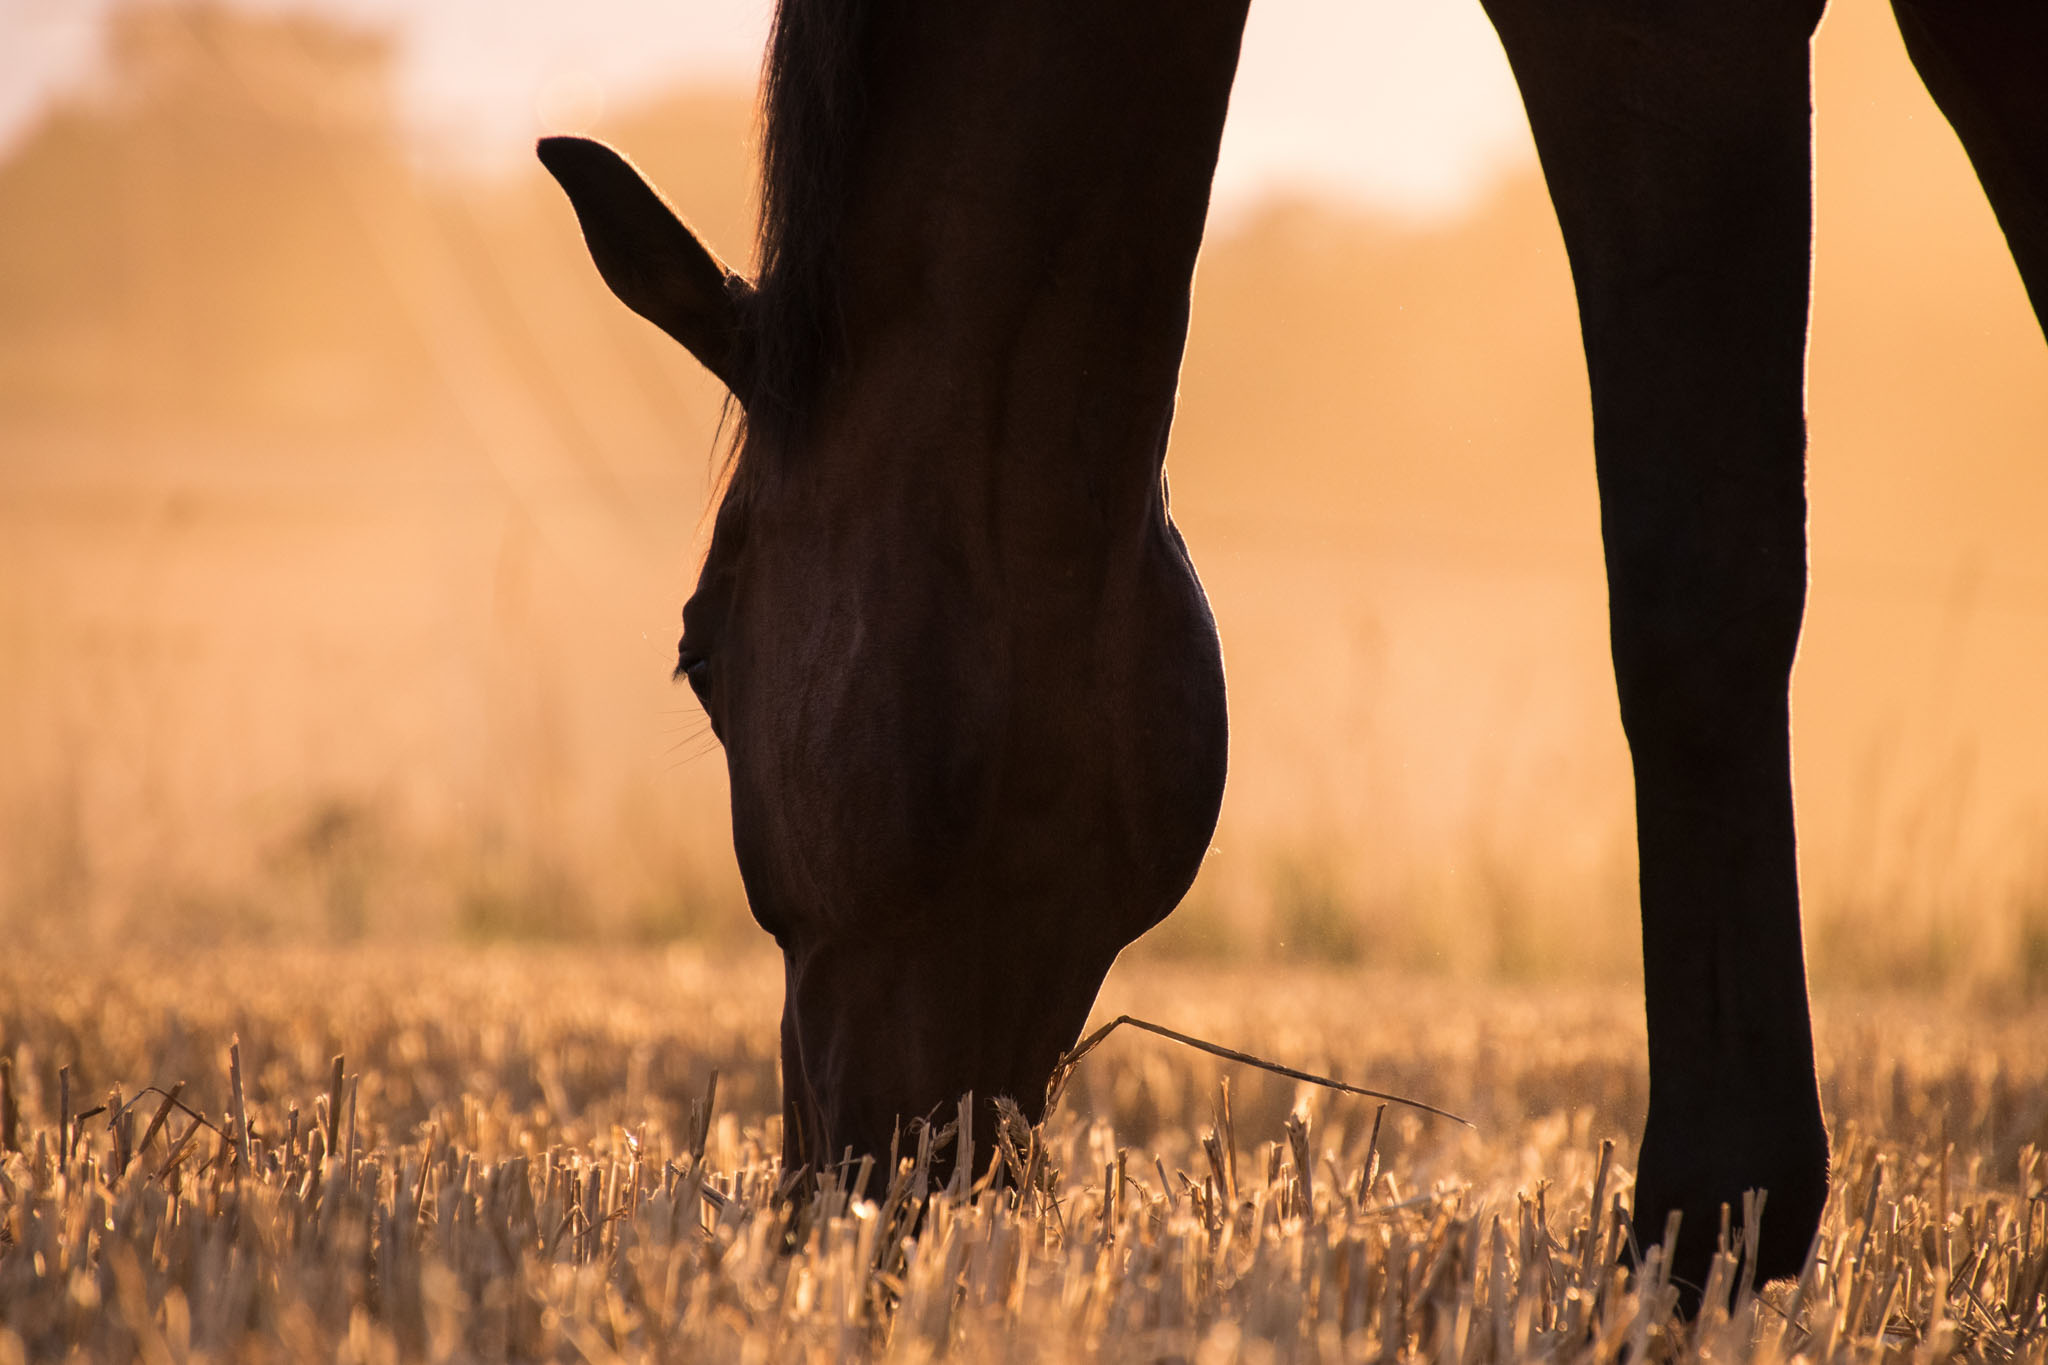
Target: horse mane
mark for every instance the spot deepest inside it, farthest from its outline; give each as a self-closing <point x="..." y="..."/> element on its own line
<point x="815" y="105"/>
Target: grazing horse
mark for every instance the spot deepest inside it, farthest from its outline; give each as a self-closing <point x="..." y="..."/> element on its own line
<point x="968" y="685"/>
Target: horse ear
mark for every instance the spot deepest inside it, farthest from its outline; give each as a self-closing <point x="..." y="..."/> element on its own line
<point x="650" y="258"/>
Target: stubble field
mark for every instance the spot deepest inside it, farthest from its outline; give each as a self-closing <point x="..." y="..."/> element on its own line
<point x="522" y="1165"/>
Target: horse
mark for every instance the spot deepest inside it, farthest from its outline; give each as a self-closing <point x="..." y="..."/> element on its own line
<point x="969" y="689"/>
<point x="968" y="684"/>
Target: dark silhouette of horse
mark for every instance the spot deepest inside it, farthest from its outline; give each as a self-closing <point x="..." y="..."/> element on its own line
<point x="968" y="685"/>
<point x="967" y="682"/>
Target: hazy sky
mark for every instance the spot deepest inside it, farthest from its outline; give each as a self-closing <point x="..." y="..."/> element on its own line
<point x="1402" y="104"/>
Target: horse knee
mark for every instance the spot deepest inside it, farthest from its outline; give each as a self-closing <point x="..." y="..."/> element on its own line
<point x="1703" y="650"/>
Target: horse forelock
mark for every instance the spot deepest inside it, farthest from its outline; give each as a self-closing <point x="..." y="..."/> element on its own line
<point x="815" y="86"/>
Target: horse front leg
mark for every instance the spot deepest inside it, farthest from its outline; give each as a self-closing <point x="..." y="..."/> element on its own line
<point x="1676" y="140"/>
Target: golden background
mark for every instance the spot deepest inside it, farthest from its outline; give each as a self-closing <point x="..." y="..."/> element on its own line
<point x="345" y="519"/>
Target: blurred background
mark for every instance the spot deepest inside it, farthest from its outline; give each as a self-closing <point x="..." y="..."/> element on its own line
<point x="345" y="517"/>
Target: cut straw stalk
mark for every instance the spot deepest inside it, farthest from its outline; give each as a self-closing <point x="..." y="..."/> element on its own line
<point x="241" y="1106"/>
<point x="10" y="1114"/>
<point x="334" y="1084"/>
<point x="163" y="1112"/>
<point x="1073" y="1057"/>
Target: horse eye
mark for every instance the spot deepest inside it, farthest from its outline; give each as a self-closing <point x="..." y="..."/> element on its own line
<point x="694" y="667"/>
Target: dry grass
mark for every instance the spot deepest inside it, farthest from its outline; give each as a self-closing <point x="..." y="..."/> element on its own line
<point x="521" y="1165"/>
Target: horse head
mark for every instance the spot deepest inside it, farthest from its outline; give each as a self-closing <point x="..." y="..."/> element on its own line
<point x="968" y="685"/>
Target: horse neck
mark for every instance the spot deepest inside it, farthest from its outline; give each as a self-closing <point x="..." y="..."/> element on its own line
<point x="1027" y="201"/>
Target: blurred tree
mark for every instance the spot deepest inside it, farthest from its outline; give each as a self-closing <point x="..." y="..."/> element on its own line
<point x="189" y="240"/>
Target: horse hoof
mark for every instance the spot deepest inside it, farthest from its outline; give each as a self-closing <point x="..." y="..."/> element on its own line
<point x="1794" y="1179"/>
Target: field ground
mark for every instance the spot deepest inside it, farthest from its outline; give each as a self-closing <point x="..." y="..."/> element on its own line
<point x="522" y="1166"/>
